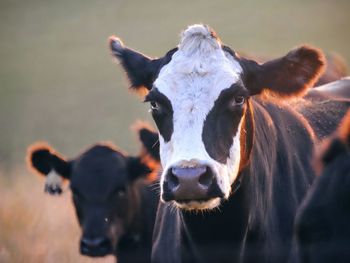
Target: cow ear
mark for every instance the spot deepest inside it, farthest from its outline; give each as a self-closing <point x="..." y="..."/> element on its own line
<point x="286" y="76"/>
<point x="43" y="159"/>
<point x="150" y="142"/>
<point x="140" y="69"/>
<point x="137" y="169"/>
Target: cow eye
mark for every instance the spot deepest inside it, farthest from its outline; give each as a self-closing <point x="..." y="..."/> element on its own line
<point x="154" y="106"/>
<point x="238" y="100"/>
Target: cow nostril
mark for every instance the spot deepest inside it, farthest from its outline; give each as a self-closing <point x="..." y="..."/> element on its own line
<point x="173" y="181"/>
<point x="96" y="247"/>
<point x="206" y="178"/>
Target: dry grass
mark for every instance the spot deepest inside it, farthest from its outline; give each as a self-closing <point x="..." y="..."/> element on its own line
<point x="35" y="227"/>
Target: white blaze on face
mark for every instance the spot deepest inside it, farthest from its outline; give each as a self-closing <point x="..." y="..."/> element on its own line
<point x="193" y="80"/>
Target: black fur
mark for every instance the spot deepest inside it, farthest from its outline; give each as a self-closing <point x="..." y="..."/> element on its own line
<point x="44" y="159"/>
<point x="136" y="168"/>
<point x="41" y="160"/>
<point x="163" y="117"/>
<point x="150" y="141"/>
<point x="221" y="123"/>
<point x="109" y="192"/>
<point x="141" y="70"/>
<point x="324" y="106"/>
<point x="256" y="223"/>
<point x="322" y="224"/>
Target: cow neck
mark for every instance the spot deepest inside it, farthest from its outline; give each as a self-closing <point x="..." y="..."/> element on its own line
<point x="221" y="229"/>
<point x="261" y="162"/>
<point x="279" y="174"/>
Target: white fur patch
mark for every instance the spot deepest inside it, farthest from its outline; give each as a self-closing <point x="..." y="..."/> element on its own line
<point x="193" y="80"/>
<point x="53" y="182"/>
<point x="195" y="205"/>
<point x="117" y="45"/>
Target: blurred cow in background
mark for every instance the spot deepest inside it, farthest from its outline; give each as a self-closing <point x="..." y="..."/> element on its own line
<point x="322" y="224"/>
<point x="112" y="194"/>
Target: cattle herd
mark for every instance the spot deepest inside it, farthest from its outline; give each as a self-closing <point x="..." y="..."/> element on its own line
<point x="250" y="161"/>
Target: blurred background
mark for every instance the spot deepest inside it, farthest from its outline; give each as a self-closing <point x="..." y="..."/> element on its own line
<point x="58" y="83"/>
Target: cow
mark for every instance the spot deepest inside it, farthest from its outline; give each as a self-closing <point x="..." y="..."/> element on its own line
<point x="114" y="199"/>
<point x="235" y="155"/>
<point x="322" y="221"/>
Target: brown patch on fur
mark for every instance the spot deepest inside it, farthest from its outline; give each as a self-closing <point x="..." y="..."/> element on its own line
<point x="153" y="165"/>
<point x="287" y="76"/>
<point x="145" y="157"/>
<point x="246" y="136"/>
<point x="305" y="64"/>
<point x="344" y="129"/>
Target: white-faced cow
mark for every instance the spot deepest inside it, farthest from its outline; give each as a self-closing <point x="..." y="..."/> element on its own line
<point x="322" y="223"/>
<point x="115" y="204"/>
<point x="230" y="147"/>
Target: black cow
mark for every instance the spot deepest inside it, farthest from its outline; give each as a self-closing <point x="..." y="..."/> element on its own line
<point x="114" y="201"/>
<point x="322" y="223"/>
<point x="235" y="156"/>
<point x="324" y="106"/>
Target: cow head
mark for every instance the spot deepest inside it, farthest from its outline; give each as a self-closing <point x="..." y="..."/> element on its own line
<point x="102" y="181"/>
<point x="322" y="228"/>
<point x="199" y="95"/>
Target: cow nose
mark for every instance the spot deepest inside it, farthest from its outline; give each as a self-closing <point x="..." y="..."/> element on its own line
<point x="95" y="247"/>
<point x="187" y="183"/>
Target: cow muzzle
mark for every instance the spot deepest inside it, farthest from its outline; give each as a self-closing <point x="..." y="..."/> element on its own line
<point x="95" y="247"/>
<point x="188" y="184"/>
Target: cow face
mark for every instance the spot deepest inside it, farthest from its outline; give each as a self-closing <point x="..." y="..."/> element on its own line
<point x="102" y="181"/>
<point x="322" y="223"/>
<point x="199" y="96"/>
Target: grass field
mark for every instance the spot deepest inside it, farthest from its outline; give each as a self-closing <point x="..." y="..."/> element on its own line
<point x="58" y="83"/>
